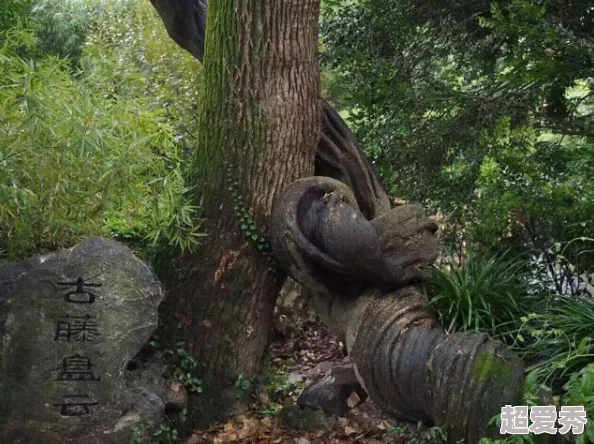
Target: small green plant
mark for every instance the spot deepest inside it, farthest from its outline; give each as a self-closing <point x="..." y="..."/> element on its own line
<point x="408" y="435"/>
<point x="435" y="434"/>
<point x="166" y="433"/>
<point x="140" y="432"/>
<point x="146" y="433"/>
<point x="278" y="384"/>
<point x="559" y="340"/>
<point x="579" y="390"/>
<point x="247" y="225"/>
<point x="397" y="431"/>
<point x="270" y="410"/>
<point x="181" y="366"/>
<point x="242" y="387"/>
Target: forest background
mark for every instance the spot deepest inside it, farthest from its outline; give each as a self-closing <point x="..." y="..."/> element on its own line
<point x="482" y="111"/>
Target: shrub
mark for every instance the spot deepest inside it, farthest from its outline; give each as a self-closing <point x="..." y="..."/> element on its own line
<point x="90" y="152"/>
<point x="580" y="391"/>
<point x="61" y="27"/>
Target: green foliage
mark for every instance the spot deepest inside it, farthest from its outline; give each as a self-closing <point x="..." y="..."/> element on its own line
<point x="99" y="151"/>
<point x="559" y="338"/>
<point x="430" y="435"/>
<point x="181" y="366"/>
<point x="247" y="224"/>
<point x="147" y="63"/>
<point x="61" y="27"/>
<point x="277" y="388"/>
<point x="270" y="410"/>
<point x="481" y="110"/>
<point x="557" y="344"/>
<point x="554" y="334"/>
<point x="564" y="270"/>
<point x="146" y="433"/>
<point x="482" y="294"/>
<point x="278" y="385"/>
<point x="435" y="434"/>
<point x="579" y="390"/>
<point x="243" y="387"/>
<point x="13" y="13"/>
<point x="397" y="431"/>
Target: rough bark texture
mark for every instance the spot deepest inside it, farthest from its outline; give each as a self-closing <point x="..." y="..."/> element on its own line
<point x="338" y="155"/>
<point x="261" y="109"/>
<point x="362" y="274"/>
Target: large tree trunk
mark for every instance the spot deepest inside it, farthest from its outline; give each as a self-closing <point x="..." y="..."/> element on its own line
<point x="258" y="130"/>
<point x="338" y="155"/>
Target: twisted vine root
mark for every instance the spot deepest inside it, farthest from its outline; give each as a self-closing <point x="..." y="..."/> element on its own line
<point x="363" y="275"/>
<point x="362" y="271"/>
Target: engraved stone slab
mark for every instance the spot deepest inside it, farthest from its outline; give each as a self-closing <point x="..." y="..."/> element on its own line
<point x="70" y="322"/>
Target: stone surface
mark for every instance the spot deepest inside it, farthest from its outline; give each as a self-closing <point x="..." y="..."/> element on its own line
<point x="333" y="391"/>
<point x="294" y="417"/>
<point x="70" y="322"/>
<point x="319" y="370"/>
<point x="295" y="377"/>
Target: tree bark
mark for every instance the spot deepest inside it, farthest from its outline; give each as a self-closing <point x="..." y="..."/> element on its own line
<point x="258" y="130"/>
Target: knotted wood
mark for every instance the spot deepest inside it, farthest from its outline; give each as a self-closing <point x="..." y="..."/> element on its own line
<point x="362" y="261"/>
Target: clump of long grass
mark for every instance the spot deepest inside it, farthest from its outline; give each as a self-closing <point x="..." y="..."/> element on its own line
<point x="558" y="337"/>
<point x="483" y="293"/>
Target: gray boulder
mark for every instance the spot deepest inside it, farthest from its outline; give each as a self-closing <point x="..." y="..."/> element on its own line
<point x="303" y="419"/>
<point x="332" y="392"/>
<point x="70" y="322"/>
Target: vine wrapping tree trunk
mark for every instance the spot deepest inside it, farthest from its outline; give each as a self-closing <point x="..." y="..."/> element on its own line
<point x="258" y="131"/>
<point x="361" y="260"/>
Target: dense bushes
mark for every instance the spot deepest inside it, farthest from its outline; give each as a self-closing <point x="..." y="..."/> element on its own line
<point x="482" y="110"/>
<point x="92" y="134"/>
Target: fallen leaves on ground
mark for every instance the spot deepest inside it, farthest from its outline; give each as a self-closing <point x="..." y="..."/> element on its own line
<point x="314" y="347"/>
<point x="249" y="428"/>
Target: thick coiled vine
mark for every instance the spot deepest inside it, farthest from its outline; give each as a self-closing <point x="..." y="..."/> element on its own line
<point x="362" y="262"/>
<point x="363" y="275"/>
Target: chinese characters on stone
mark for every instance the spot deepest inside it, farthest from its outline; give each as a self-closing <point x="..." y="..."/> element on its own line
<point x="77" y="329"/>
<point x="70" y="328"/>
<point x="76" y="368"/>
<point x="79" y="295"/>
<point x="514" y="420"/>
<point x="75" y="405"/>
